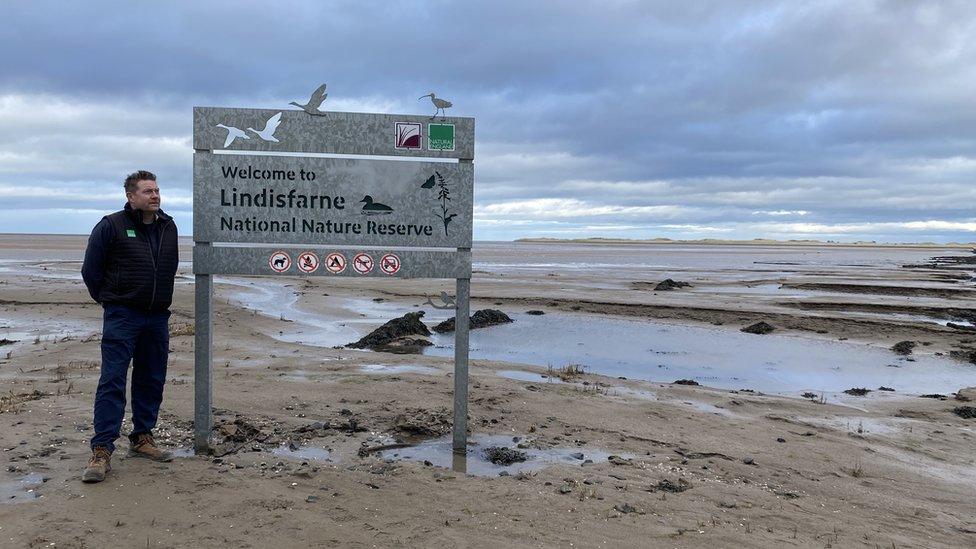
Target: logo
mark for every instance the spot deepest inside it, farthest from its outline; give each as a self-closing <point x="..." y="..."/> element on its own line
<point x="390" y="264"/>
<point x="130" y="233"/>
<point x="363" y="263"/>
<point x="279" y="262"/>
<point x="335" y="263"/>
<point x="308" y="262"/>
<point x="440" y="137"/>
<point x="407" y="136"/>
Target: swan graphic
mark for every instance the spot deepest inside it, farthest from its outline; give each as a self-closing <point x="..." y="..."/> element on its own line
<point x="270" y="126"/>
<point x="314" y="102"/>
<point x="232" y="134"/>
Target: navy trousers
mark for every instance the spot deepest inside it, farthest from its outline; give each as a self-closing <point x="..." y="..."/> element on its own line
<point x="142" y="338"/>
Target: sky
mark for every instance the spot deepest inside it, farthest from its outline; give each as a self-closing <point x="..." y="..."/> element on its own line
<point x="839" y="120"/>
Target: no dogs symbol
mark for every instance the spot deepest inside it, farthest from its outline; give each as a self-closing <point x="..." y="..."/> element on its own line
<point x="308" y="262"/>
<point x="390" y="264"/>
<point x="335" y="263"/>
<point x="363" y="263"/>
<point x="279" y="262"/>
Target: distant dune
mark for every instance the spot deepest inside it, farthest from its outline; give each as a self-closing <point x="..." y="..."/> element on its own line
<point x="754" y="242"/>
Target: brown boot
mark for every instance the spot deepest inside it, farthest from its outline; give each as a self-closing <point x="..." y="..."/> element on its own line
<point x="145" y="446"/>
<point x="99" y="464"/>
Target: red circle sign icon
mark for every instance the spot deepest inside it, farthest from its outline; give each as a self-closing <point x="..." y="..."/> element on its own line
<point x="335" y="263"/>
<point x="308" y="262"/>
<point x="363" y="263"/>
<point x="390" y="264"/>
<point x="279" y="262"/>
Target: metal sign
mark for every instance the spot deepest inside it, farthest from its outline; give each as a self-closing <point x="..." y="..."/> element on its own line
<point x="261" y="209"/>
<point x="299" y="200"/>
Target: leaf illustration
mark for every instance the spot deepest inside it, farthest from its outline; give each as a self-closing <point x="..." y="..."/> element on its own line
<point x="429" y="184"/>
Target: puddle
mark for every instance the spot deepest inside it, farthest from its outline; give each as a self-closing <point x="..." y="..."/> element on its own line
<point x="398" y="369"/>
<point x="304" y="453"/>
<point x="721" y="358"/>
<point x="21" y="489"/>
<point x="440" y="453"/>
<point x="705" y="407"/>
<point x="860" y="425"/>
<point x="522" y="375"/>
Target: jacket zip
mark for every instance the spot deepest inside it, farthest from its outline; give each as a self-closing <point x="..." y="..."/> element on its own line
<point x="159" y="248"/>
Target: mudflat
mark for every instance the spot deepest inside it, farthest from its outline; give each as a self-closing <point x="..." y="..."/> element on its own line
<point x="318" y="446"/>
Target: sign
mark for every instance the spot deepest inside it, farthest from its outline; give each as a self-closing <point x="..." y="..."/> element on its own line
<point x="308" y="262"/>
<point x="279" y="262"/>
<point x="363" y="263"/>
<point x="335" y="201"/>
<point x="258" y="202"/>
<point x="408" y="136"/>
<point x="390" y="264"/>
<point x="335" y="263"/>
<point x="440" y="137"/>
<point x="332" y="133"/>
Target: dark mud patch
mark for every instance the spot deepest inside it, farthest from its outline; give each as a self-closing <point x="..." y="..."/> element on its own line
<point x="480" y="319"/>
<point x="670" y="486"/>
<point x="404" y="335"/>
<point x="904" y="347"/>
<point x="535" y="312"/>
<point x="6" y="341"/>
<point x="668" y="284"/>
<point x="760" y="328"/>
<point x="499" y="455"/>
<point x="857" y="391"/>
<point x="686" y="382"/>
<point x="965" y="412"/>
<point x="420" y="423"/>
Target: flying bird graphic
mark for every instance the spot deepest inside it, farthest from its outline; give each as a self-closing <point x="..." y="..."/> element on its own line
<point x="232" y="134"/>
<point x="269" y="128"/>
<point x="314" y="102"/>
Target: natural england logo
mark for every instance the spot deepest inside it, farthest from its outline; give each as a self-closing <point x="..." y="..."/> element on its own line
<point x="440" y="137"/>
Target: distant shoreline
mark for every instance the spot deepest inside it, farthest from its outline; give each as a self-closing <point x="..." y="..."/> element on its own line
<point x="754" y="242"/>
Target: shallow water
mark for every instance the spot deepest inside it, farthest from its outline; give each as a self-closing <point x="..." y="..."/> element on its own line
<point x="304" y="453"/>
<point x="718" y="358"/>
<point x="21" y="489"/>
<point x="398" y="369"/>
<point x="439" y="453"/>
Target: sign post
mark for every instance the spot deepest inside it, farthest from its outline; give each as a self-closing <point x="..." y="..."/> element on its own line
<point x="259" y="212"/>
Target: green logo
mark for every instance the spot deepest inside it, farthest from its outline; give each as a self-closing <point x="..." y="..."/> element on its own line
<point x="130" y="233"/>
<point x="440" y="137"/>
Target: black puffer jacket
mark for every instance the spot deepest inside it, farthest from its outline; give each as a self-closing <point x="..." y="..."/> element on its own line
<point x="121" y="265"/>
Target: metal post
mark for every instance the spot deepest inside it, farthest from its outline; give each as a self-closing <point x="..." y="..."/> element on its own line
<point x="202" y="368"/>
<point x="461" y="321"/>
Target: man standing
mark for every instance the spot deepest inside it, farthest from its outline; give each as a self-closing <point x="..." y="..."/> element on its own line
<point x="129" y="268"/>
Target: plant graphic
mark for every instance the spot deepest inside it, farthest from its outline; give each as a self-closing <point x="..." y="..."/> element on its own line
<point x="443" y="196"/>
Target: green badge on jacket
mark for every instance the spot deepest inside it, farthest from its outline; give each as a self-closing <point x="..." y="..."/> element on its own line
<point x="130" y="233"/>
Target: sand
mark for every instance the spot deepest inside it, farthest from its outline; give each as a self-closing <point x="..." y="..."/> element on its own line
<point x="696" y="466"/>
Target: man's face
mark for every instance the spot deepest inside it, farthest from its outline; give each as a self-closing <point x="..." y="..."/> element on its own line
<point x="145" y="197"/>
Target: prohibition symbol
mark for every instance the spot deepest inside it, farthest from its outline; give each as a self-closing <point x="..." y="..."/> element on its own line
<point x="335" y="263"/>
<point x="308" y="262"/>
<point x="363" y="263"/>
<point x="279" y="262"/>
<point x="390" y="264"/>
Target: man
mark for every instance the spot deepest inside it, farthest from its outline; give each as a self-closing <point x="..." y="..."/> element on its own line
<point x="129" y="268"/>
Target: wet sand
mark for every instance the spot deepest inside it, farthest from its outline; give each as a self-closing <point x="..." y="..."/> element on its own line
<point x="334" y="447"/>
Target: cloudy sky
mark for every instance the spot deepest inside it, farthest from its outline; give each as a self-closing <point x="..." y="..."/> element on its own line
<point x="836" y="120"/>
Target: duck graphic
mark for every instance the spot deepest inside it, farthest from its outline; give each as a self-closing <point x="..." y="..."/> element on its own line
<point x="374" y="208"/>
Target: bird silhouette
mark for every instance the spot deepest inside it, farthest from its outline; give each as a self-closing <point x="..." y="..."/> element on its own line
<point x="232" y="134"/>
<point x="269" y="128"/>
<point x="312" y="107"/>
<point x="372" y="208"/>
<point x="446" y="298"/>
<point x="441" y="104"/>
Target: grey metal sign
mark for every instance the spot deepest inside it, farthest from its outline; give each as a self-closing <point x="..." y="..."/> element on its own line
<point x="268" y="214"/>
<point x="333" y="132"/>
<point x="349" y="262"/>
<point x="248" y="198"/>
